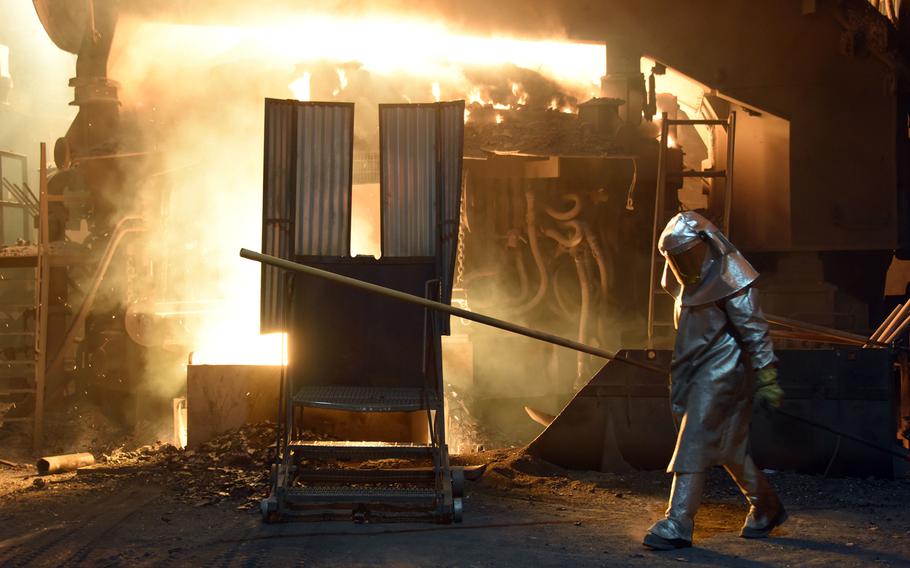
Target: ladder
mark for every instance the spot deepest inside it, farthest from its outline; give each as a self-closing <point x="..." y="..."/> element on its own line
<point x="402" y="478"/>
<point x="21" y="374"/>
<point x="662" y="216"/>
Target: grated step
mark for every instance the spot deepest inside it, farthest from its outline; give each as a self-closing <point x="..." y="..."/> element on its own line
<point x="362" y="495"/>
<point x="361" y="450"/>
<point x="366" y="399"/>
<point x="360" y="475"/>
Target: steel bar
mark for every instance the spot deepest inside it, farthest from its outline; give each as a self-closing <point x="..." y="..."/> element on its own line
<point x="698" y="174"/>
<point x="507" y="326"/>
<point x="29" y="194"/>
<point x="899" y="330"/>
<point x="728" y="180"/>
<point x="822" y="330"/>
<point x="898" y="319"/>
<point x="887" y="321"/>
<point x="438" y="306"/>
<point x="64" y="463"/>
<point x="825" y="427"/>
<point x="656" y="228"/>
<point x="813" y="337"/>
<point x="697" y="122"/>
<point x="14" y="189"/>
<point x="43" y="274"/>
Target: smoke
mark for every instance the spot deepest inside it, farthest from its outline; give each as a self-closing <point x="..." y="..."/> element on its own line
<point x="195" y="96"/>
<point x="539" y="20"/>
<point x="37" y="105"/>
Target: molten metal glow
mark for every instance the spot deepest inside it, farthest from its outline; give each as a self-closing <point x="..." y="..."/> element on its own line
<point x="200" y="89"/>
<point x="227" y="347"/>
<point x="382" y="44"/>
<point x="300" y="87"/>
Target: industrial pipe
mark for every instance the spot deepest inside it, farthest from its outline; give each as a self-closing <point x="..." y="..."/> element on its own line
<point x="567" y="242"/>
<point x="535" y="253"/>
<point x="64" y="463"/>
<point x="446" y="308"/>
<point x="566" y="215"/>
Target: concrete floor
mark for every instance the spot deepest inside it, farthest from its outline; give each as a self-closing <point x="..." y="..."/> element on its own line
<point x="568" y="519"/>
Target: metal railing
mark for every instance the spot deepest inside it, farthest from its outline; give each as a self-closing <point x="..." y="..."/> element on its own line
<point x="17" y="201"/>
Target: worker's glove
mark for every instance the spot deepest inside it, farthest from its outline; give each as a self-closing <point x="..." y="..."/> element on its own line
<point x="767" y="391"/>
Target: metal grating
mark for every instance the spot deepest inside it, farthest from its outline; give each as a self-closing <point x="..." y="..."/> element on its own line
<point x="306" y="206"/>
<point x="365" y="399"/>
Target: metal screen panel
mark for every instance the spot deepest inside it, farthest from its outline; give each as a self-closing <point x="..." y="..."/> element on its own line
<point x="408" y="179"/>
<point x="278" y="201"/>
<point x="325" y="155"/>
<point x="306" y="207"/>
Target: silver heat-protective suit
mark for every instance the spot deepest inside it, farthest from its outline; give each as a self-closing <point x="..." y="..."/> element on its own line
<point x="722" y="338"/>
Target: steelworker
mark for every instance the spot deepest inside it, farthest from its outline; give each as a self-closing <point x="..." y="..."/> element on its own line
<point x="722" y="359"/>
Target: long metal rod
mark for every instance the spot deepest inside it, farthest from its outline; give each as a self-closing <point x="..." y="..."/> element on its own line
<point x="507" y="326"/>
<point x="728" y="182"/>
<point x="825" y="427"/>
<point x="438" y="306"/>
<point x="42" y="293"/>
<point x="658" y="213"/>
<point x="894" y="323"/>
<point x="698" y="122"/>
<point x="836" y="333"/>
<point x="886" y="322"/>
<point x="899" y="330"/>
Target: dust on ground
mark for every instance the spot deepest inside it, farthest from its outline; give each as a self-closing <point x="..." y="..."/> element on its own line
<point x="156" y="505"/>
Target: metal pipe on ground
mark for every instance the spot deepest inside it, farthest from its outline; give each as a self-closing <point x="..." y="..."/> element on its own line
<point x="64" y="463"/>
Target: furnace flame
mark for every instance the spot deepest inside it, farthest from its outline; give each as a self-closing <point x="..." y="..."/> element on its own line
<point x="199" y="91"/>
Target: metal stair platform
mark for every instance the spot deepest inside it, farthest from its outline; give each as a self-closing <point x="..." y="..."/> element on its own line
<point x="361" y="450"/>
<point x="365" y="399"/>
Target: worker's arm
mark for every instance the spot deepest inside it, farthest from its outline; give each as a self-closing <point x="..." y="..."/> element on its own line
<point x="751" y="327"/>
<point x="744" y="313"/>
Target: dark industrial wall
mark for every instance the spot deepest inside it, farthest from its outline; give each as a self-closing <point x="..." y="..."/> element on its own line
<point x="824" y="71"/>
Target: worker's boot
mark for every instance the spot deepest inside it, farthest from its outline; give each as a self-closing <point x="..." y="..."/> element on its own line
<point x="675" y="531"/>
<point x="765" y="509"/>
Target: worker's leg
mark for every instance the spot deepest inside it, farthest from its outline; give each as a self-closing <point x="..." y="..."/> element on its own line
<point x="765" y="510"/>
<point x="675" y="531"/>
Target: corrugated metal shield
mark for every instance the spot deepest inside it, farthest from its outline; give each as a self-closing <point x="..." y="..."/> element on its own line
<point x="306" y="208"/>
<point x="421" y="148"/>
<point x="408" y="179"/>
